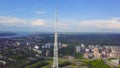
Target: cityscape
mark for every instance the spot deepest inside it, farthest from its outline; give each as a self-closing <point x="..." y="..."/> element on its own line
<point x="36" y="50"/>
<point x="59" y="34"/>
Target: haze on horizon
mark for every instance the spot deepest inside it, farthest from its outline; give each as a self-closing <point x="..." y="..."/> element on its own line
<point x="74" y="15"/>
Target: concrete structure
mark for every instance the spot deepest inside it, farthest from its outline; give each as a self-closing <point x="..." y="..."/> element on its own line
<point x="78" y="49"/>
<point x="115" y="62"/>
<point x="97" y="54"/>
<point x="115" y="53"/>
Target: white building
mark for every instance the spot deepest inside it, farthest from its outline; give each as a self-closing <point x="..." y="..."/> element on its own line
<point x="115" y="53"/>
<point x="78" y="49"/>
<point x="36" y="47"/>
<point x="115" y="62"/>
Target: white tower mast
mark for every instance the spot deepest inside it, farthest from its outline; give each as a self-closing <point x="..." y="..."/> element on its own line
<point x="55" y="62"/>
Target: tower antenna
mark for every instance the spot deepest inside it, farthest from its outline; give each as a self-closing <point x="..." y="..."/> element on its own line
<point x="55" y="62"/>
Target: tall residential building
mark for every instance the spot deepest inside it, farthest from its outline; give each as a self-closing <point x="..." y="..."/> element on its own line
<point x="78" y="49"/>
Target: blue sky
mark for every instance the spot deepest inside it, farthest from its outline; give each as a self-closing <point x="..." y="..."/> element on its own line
<point x="74" y="15"/>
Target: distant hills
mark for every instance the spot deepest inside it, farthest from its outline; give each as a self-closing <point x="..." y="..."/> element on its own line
<point x="7" y="34"/>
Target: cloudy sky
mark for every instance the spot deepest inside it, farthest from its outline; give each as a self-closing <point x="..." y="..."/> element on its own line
<point x="74" y="15"/>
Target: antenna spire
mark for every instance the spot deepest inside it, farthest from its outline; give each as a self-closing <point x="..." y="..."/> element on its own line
<point x="55" y="62"/>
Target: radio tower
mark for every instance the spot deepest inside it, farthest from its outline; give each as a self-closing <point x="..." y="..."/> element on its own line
<point x="55" y="62"/>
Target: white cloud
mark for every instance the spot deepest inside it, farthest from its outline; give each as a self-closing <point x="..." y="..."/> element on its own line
<point x="113" y="23"/>
<point x="5" y="20"/>
<point x="40" y="12"/>
<point x="38" y="22"/>
<point x="63" y="25"/>
<point x="85" y="25"/>
<point x="14" y="23"/>
<point x="11" y="20"/>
